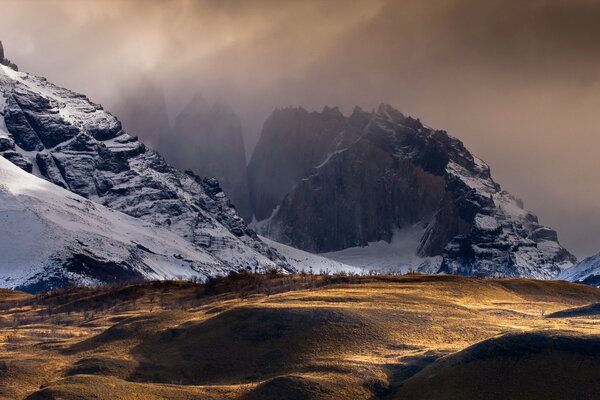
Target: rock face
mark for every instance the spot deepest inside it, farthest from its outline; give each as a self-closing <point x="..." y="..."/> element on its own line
<point x="66" y="139"/>
<point x="323" y="182"/>
<point x="292" y="142"/>
<point x="586" y="271"/>
<point x="209" y="139"/>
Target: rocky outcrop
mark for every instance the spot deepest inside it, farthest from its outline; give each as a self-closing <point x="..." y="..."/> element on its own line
<point x="68" y="140"/>
<point x="6" y="61"/>
<point x="364" y="177"/>
<point x="208" y="140"/>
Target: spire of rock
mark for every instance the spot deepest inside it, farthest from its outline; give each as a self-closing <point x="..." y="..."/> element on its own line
<point x="6" y="61"/>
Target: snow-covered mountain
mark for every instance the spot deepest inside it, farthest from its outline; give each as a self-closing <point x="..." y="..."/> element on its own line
<point x="63" y="137"/>
<point x="51" y="237"/>
<point x="375" y="190"/>
<point x="338" y="185"/>
<point x="586" y="271"/>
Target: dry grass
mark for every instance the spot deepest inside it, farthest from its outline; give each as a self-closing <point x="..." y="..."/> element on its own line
<point x="249" y="337"/>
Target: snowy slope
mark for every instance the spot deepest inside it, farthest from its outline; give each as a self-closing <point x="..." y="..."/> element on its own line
<point x="44" y="229"/>
<point x="397" y="256"/>
<point x="309" y="262"/>
<point x="66" y="139"/>
<point x="586" y="271"/>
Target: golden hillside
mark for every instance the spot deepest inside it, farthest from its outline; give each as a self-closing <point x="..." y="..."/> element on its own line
<point x="304" y="337"/>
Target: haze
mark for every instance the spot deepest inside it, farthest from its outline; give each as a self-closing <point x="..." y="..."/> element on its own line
<point x="517" y="81"/>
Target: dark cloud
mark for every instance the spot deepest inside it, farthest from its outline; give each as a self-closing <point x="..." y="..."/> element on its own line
<point x="518" y="81"/>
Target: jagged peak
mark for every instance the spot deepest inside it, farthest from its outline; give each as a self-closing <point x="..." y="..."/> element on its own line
<point x="357" y="110"/>
<point x="386" y="110"/>
<point x="289" y="110"/>
<point x="333" y="112"/>
<point x="5" y="61"/>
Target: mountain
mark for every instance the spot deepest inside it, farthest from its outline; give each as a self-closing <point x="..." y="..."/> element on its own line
<point x="66" y="139"/>
<point x="208" y="138"/>
<point x="326" y="183"/>
<point x="586" y="271"/>
<point x="53" y="238"/>
<point x="292" y="142"/>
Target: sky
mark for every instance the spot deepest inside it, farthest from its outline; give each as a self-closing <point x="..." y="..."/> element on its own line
<point x="517" y="80"/>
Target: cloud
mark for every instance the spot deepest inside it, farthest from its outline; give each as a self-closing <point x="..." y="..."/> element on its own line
<point x="518" y="81"/>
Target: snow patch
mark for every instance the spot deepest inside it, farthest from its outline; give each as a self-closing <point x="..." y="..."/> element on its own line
<point x="486" y="223"/>
<point x="309" y="262"/>
<point x="398" y="256"/>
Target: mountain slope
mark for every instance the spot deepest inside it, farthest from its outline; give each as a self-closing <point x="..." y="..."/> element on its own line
<point x="66" y="139"/>
<point x="382" y="173"/>
<point x="52" y="237"/>
<point x="586" y="271"/>
<point x="304" y="261"/>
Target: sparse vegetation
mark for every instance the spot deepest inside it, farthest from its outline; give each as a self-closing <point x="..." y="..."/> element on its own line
<point x="270" y="336"/>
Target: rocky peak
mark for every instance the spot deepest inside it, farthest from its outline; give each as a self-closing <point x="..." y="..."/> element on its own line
<point x="394" y="174"/>
<point x="208" y="139"/>
<point x="64" y="138"/>
<point x="332" y="112"/>
<point x="5" y="61"/>
<point x="292" y="142"/>
<point x="387" y="111"/>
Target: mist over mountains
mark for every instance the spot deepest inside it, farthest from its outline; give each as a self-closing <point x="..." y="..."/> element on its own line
<point x="517" y="78"/>
<point x="293" y="200"/>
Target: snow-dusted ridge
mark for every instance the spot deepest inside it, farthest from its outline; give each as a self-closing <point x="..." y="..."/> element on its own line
<point x="586" y="271"/>
<point x="45" y="229"/>
<point x="179" y="224"/>
<point x="64" y="138"/>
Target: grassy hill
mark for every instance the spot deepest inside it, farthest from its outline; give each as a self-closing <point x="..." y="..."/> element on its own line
<point x="250" y="337"/>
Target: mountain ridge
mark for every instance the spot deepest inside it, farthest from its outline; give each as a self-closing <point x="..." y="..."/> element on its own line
<point x="54" y="238"/>
<point x="66" y="139"/>
<point x="376" y="172"/>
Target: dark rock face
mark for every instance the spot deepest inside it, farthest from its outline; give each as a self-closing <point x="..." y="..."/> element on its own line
<point x="18" y="160"/>
<point x="68" y="140"/>
<point x="360" y="179"/>
<point x="208" y="140"/>
<point x="278" y="163"/>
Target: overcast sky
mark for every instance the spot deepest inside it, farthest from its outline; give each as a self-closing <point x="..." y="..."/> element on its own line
<point x="518" y="81"/>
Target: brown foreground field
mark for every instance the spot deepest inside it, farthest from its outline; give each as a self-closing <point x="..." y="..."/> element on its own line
<point x="251" y="337"/>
